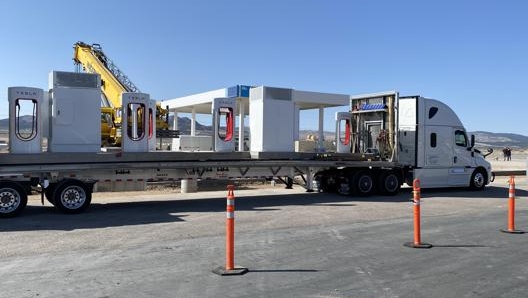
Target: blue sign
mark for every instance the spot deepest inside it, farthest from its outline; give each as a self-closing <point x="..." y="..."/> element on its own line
<point x="238" y="91"/>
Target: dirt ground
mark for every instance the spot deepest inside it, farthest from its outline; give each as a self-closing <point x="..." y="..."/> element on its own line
<point x="518" y="160"/>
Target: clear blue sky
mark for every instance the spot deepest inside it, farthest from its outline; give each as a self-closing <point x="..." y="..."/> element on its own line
<point x="473" y="55"/>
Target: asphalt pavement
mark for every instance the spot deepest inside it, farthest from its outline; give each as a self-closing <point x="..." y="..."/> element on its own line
<point x="293" y="243"/>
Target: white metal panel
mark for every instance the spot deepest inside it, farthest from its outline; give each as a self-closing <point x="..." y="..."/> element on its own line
<point x="420" y="133"/>
<point x="312" y="100"/>
<point x="75" y="120"/>
<point x="201" y="101"/>
<point x="192" y="143"/>
<point x="407" y="112"/>
<point x="272" y="120"/>
<point x="25" y="132"/>
<point x="438" y="113"/>
<point x="46" y="114"/>
<point x="256" y="118"/>
<point x="432" y="177"/>
<point x="439" y="152"/>
<point x="407" y="124"/>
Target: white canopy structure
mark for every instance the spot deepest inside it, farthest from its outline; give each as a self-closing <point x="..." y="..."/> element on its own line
<point x="301" y="100"/>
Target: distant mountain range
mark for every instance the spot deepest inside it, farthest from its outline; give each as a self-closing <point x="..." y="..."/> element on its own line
<point x="484" y="139"/>
<point x="490" y="139"/>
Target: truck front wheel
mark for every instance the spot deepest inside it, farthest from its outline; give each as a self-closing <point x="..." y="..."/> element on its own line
<point x="478" y="180"/>
<point x="13" y="199"/>
<point x="72" y="196"/>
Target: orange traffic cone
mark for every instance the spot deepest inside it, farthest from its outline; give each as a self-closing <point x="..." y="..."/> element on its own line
<point x="417" y="243"/>
<point x="230" y="268"/>
<point x="511" y="209"/>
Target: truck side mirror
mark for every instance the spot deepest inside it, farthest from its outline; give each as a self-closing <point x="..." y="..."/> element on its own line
<point x="472" y="141"/>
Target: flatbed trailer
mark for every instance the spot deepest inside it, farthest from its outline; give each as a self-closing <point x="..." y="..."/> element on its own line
<point x="67" y="180"/>
<point x="384" y="141"/>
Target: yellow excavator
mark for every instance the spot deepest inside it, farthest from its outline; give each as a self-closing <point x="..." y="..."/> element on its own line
<point x="114" y="82"/>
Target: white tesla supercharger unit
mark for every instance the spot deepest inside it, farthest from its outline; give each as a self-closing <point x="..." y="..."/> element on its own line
<point x="272" y="119"/>
<point x="75" y="124"/>
<point x="134" y="122"/>
<point x="343" y="132"/>
<point x="152" y="125"/>
<point x="25" y="119"/>
<point x="223" y="111"/>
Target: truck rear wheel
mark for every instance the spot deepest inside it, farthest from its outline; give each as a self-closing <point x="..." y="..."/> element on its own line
<point x="72" y="196"/>
<point x="389" y="183"/>
<point x="363" y="183"/>
<point x="13" y="199"/>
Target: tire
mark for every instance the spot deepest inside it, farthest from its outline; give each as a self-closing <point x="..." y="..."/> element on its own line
<point x="478" y="180"/>
<point x="344" y="184"/>
<point x="389" y="183"/>
<point x="48" y="193"/>
<point x="13" y="199"/>
<point x="328" y="184"/>
<point x="363" y="183"/>
<point x="72" y="196"/>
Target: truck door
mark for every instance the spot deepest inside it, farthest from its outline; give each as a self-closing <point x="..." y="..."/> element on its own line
<point x="462" y="161"/>
<point x="437" y="152"/>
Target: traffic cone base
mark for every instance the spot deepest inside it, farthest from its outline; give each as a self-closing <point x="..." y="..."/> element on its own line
<point x="235" y="271"/>
<point x="414" y="245"/>
<point x="512" y="231"/>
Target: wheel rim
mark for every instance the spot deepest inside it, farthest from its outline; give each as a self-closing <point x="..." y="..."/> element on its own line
<point x="9" y="200"/>
<point x="478" y="180"/>
<point x="364" y="184"/>
<point x="391" y="183"/>
<point x="73" y="197"/>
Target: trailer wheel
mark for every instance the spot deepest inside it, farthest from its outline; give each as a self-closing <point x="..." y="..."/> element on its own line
<point x="478" y="180"/>
<point x="363" y="183"/>
<point x="389" y="183"/>
<point x="13" y="199"/>
<point x="72" y="196"/>
<point x="344" y="184"/>
<point x="328" y="184"/>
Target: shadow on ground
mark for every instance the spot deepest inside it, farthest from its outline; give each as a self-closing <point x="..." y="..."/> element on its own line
<point x="146" y="212"/>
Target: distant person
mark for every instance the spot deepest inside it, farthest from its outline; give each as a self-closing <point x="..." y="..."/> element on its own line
<point x="505" y="153"/>
<point x="508" y="153"/>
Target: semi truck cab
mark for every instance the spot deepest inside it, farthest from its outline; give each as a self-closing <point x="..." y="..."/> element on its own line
<point x="444" y="155"/>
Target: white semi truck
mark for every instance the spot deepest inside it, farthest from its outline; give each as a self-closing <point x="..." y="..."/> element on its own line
<point x="384" y="141"/>
<point x="420" y="138"/>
